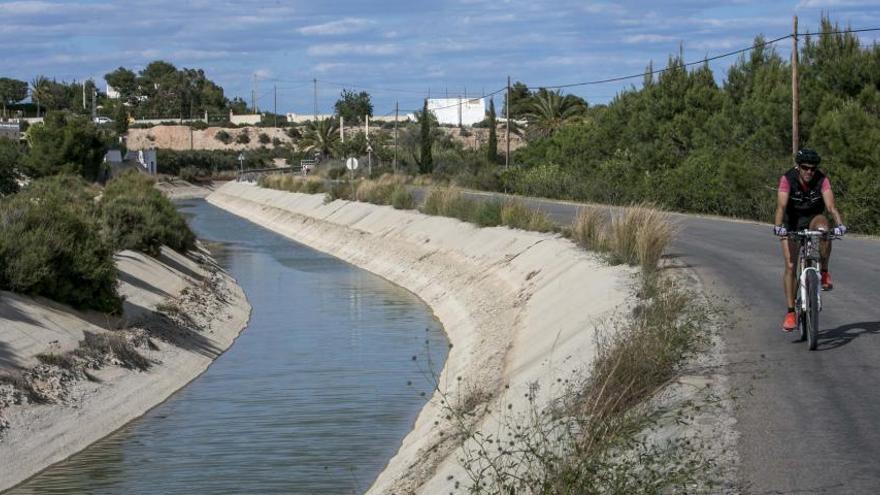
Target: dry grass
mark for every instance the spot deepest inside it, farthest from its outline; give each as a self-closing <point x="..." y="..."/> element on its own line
<point x="379" y="191"/>
<point x="590" y="229"/>
<point x="402" y="199"/>
<point x="637" y="236"/>
<point x="21" y="383"/>
<point x="98" y="346"/>
<point x="293" y="183"/>
<point x="518" y="216"/>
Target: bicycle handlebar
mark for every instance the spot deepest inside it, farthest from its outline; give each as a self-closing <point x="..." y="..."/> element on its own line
<point x="826" y="234"/>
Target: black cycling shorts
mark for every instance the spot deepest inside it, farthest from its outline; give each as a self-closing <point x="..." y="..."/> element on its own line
<point x="794" y="223"/>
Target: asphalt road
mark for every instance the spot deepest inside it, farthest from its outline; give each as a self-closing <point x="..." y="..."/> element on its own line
<point x="809" y="422"/>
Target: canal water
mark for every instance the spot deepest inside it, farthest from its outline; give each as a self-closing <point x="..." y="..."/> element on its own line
<point x="314" y="397"/>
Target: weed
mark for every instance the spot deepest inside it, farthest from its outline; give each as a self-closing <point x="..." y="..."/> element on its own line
<point x="590" y="229"/>
<point x="64" y="361"/>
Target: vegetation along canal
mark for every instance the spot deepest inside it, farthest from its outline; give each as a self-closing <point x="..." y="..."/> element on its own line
<point x="314" y="397"/>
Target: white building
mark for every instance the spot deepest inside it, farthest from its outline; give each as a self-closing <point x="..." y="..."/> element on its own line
<point x="458" y="110"/>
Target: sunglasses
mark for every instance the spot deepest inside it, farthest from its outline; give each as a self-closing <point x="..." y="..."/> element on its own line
<point x="807" y="169"/>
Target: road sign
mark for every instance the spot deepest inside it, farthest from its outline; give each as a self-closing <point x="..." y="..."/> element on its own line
<point x="351" y="163"/>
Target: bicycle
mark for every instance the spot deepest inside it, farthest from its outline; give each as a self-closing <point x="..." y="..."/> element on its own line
<point x="808" y="302"/>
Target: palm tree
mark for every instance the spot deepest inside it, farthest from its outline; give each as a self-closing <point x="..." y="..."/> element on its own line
<point x="321" y="136"/>
<point x="40" y="91"/>
<point x="550" y="110"/>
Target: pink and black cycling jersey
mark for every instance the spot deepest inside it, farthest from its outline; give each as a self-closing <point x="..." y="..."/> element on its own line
<point x="804" y="200"/>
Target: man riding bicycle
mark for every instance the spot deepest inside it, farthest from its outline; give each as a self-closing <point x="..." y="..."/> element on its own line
<point x="803" y="196"/>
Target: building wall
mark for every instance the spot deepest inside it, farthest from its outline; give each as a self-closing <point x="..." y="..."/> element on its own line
<point x="458" y="110"/>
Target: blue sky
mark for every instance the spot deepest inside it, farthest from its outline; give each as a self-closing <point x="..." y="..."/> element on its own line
<point x="396" y="50"/>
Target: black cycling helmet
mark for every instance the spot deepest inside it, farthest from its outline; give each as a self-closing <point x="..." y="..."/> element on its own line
<point x="807" y="156"/>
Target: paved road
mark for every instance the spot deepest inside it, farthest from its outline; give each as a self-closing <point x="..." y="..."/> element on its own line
<point x="809" y="421"/>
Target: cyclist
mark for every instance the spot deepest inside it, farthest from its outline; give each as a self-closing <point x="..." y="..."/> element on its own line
<point x="803" y="196"/>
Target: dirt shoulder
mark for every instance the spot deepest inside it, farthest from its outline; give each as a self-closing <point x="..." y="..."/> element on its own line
<point x="180" y="313"/>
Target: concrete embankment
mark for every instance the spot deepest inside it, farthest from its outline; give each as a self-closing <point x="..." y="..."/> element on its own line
<point x="83" y="411"/>
<point x="520" y="308"/>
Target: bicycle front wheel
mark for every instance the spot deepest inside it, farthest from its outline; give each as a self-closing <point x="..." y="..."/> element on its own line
<point x="811" y="315"/>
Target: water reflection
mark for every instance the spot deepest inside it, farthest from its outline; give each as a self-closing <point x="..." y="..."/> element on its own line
<point x="313" y="397"/>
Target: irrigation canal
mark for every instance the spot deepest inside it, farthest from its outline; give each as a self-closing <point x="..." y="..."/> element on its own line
<point x="314" y="397"/>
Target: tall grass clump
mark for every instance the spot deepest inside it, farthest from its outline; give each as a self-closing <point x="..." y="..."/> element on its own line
<point x="449" y="203"/>
<point x="379" y="191"/>
<point x="518" y="216"/>
<point x="51" y="245"/>
<point x="639" y="236"/>
<point x="590" y="229"/>
<point x="402" y="199"/>
<point x="137" y="216"/>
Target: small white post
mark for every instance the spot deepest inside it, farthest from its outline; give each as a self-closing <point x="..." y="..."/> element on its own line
<point x="341" y="129"/>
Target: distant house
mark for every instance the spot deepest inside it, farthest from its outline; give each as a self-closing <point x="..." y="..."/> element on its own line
<point x="458" y="110"/>
<point x="144" y="161"/>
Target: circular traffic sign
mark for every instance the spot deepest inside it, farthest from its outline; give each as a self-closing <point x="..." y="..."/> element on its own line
<point x="351" y="163"/>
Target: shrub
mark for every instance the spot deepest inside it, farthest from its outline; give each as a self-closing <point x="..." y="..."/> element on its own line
<point x="518" y="216"/>
<point x="276" y="142"/>
<point x="223" y="137"/>
<point x="137" y="216"/>
<point x="189" y="173"/>
<point x="264" y="138"/>
<point x="243" y="138"/>
<point x="488" y="214"/>
<point x="50" y="245"/>
<point x="339" y="190"/>
<point x="402" y="199"/>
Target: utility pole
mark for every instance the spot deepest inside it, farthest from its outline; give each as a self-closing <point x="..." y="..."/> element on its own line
<point x="275" y="105"/>
<point x="341" y="129"/>
<point x="315" y="81"/>
<point x="94" y="103"/>
<point x="795" y="92"/>
<point x="254" y="95"/>
<point x="396" y="112"/>
<point x="84" y="94"/>
<point x="507" y="124"/>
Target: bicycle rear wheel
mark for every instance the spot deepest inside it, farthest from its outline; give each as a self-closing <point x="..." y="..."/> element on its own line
<point x="811" y="315"/>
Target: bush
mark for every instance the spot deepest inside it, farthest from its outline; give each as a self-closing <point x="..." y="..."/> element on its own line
<point x="264" y="138"/>
<point x="402" y="199"/>
<point x="50" y="245"/>
<point x="223" y="137"/>
<point x="243" y="138"/>
<point x="639" y="236"/>
<point x="189" y="173"/>
<point x="137" y="216"/>
<point x="590" y="229"/>
<point x="518" y="216"/>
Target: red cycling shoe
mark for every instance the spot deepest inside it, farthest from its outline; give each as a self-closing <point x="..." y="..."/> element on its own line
<point x="790" y="322"/>
<point x="826" y="281"/>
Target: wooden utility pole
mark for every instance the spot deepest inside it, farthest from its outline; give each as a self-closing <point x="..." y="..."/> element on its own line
<point x="507" y="124"/>
<point x="795" y="92"/>
<point x="396" y="112"/>
<point x="275" y="105"/>
<point x="315" y="81"/>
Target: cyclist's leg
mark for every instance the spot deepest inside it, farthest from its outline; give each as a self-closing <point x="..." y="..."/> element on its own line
<point x="790" y="254"/>
<point x="820" y="222"/>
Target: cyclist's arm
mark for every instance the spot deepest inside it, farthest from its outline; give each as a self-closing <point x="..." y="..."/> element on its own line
<point x="781" y="202"/>
<point x="828" y="196"/>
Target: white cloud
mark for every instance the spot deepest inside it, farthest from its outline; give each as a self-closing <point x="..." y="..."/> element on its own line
<point x="824" y="4"/>
<point x="648" y="38"/>
<point x="331" y="49"/>
<point x="263" y="73"/>
<point x="342" y="26"/>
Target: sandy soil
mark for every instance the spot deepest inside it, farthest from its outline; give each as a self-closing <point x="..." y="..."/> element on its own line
<point x="205" y="311"/>
<point x="182" y="137"/>
<point x="519" y="308"/>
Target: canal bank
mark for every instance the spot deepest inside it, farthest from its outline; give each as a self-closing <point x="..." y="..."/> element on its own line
<point x="80" y="412"/>
<point x="521" y="309"/>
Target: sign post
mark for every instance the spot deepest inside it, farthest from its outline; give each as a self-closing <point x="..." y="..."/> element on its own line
<point x="351" y="164"/>
<point x="241" y="165"/>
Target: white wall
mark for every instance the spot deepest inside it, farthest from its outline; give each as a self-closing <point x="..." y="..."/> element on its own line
<point x="458" y="110"/>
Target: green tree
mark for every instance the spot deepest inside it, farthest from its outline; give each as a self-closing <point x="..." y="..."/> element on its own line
<point x="10" y="162"/>
<point x="519" y="100"/>
<point x="65" y="143"/>
<point x="125" y="83"/>
<point x="321" y="136"/>
<point x="12" y="91"/>
<point x="352" y="106"/>
<point x="550" y="110"/>
<point x="492" y="145"/>
<point x="426" y="159"/>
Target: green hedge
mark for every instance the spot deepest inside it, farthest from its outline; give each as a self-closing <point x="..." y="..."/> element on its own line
<point x="137" y="216"/>
<point x="50" y="245"/>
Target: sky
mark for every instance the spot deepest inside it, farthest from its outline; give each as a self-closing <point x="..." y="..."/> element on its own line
<point x="398" y="51"/>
